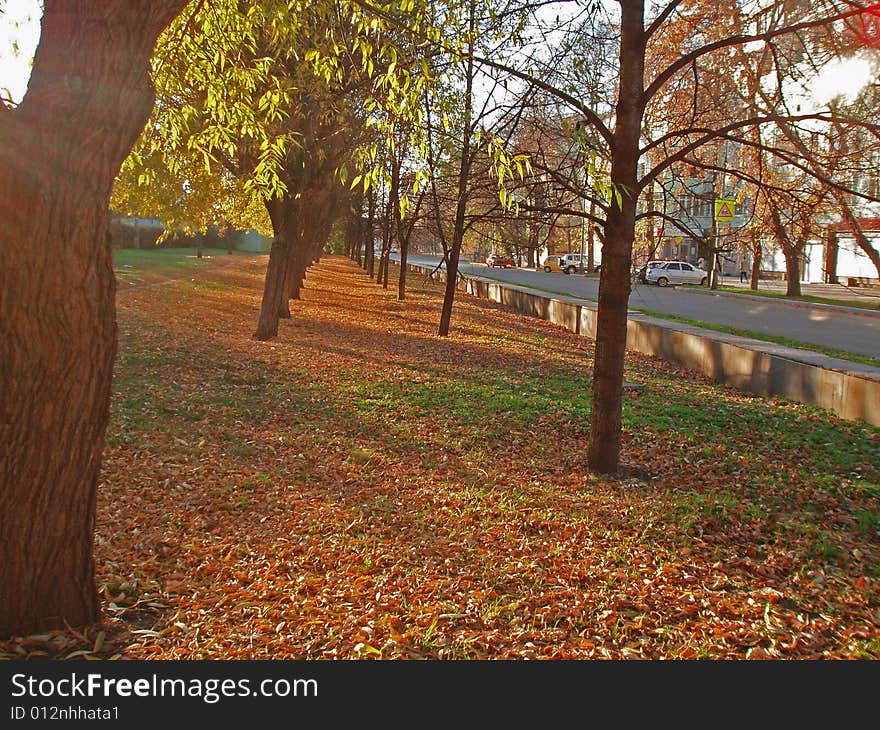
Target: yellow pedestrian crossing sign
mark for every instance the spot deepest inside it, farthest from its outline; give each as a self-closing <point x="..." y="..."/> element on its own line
<point x="724" y="208"/>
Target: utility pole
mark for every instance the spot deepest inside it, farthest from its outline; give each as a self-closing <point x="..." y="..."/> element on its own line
<point x="652" y="239"/>
<point x="716" y="234"/>
<point x="589" y="264"/>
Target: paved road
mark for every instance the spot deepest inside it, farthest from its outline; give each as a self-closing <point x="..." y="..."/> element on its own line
<point x="856" y="332"/>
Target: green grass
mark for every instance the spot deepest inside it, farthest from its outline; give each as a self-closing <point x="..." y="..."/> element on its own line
<point x="150" y="392"/>
<point x="525" y="398"/>
<point x="870" y="649"/>
<point x="141" y="266"/>
<point x="665" y="406"/>
<point x="508" y="405"/>
<point x="812" y="299"/>
<point x="868" y="521"/>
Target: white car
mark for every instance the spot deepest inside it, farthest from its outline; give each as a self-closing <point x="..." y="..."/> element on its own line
<point x="675" y="272"/>
<point x="643" y="272"/>
<point x="570" y="263"/>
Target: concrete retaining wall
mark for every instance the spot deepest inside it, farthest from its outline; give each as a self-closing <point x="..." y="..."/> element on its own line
<point x="851" y="390"/>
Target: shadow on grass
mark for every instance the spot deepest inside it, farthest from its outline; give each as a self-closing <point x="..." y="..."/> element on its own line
<point x="449" y="479"/>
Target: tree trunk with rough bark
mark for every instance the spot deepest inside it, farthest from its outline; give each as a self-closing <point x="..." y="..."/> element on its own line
<point x="614" y="281"/>
<point x="830" y="263"/>
<point x="275" y="285"/>
<point x="297" y="273"/>
<point x="60" y="150"/>
<point x="369" y="233"/>
<point x="299" y="257"/>
<point x="274" y="290"/>
<point x="790" y="250"/>
<point x="757" y="256"/>
<point x="792" y="273"/>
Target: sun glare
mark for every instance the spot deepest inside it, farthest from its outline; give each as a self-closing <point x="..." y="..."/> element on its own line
<point x="845" y="78"/>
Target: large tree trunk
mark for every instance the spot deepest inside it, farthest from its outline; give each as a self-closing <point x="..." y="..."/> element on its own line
<point x="60" y="150"/>
<point x="831" y="250"/>
<point x="790" y="250"/>
<point x="614" y="281"/>
<point x="274" y="290"/>
<point x="312" y="219"/>
<point x="449" y="290"/>
<point x="792" y="272"/>
<point x="757" y="256"/>
<point x="304" y="255"/>
<point x="299" y="257"/>
<point x="276" y="284"/>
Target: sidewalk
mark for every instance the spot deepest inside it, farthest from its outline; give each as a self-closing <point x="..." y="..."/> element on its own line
<point x="831" y="291"/>
<point x="865" y="295"/>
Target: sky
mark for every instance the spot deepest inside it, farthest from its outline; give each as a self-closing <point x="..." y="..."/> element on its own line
<point x="20" y="33"/>
<point x="845" y="77"/>
<point x="19" y="26"/>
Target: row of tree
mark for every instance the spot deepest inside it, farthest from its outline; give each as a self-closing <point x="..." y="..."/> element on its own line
<point x="472" y="117"/>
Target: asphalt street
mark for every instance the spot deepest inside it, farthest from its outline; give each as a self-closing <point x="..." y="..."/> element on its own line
<point x="850" y="331"/>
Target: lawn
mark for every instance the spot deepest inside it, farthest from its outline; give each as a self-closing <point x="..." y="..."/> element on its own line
<point x="144" y="267"/>
<point x="361" y="488"/>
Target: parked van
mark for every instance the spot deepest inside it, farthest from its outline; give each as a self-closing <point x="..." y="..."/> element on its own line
<point x="551" y="263"/>
<point x="570" y="263"/>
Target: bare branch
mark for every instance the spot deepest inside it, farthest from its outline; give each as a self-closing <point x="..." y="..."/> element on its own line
<point x="739" y="40"/>
<point x="661" y="18"/>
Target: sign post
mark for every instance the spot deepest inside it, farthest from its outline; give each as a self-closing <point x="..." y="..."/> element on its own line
<point x="724" y="208"/>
